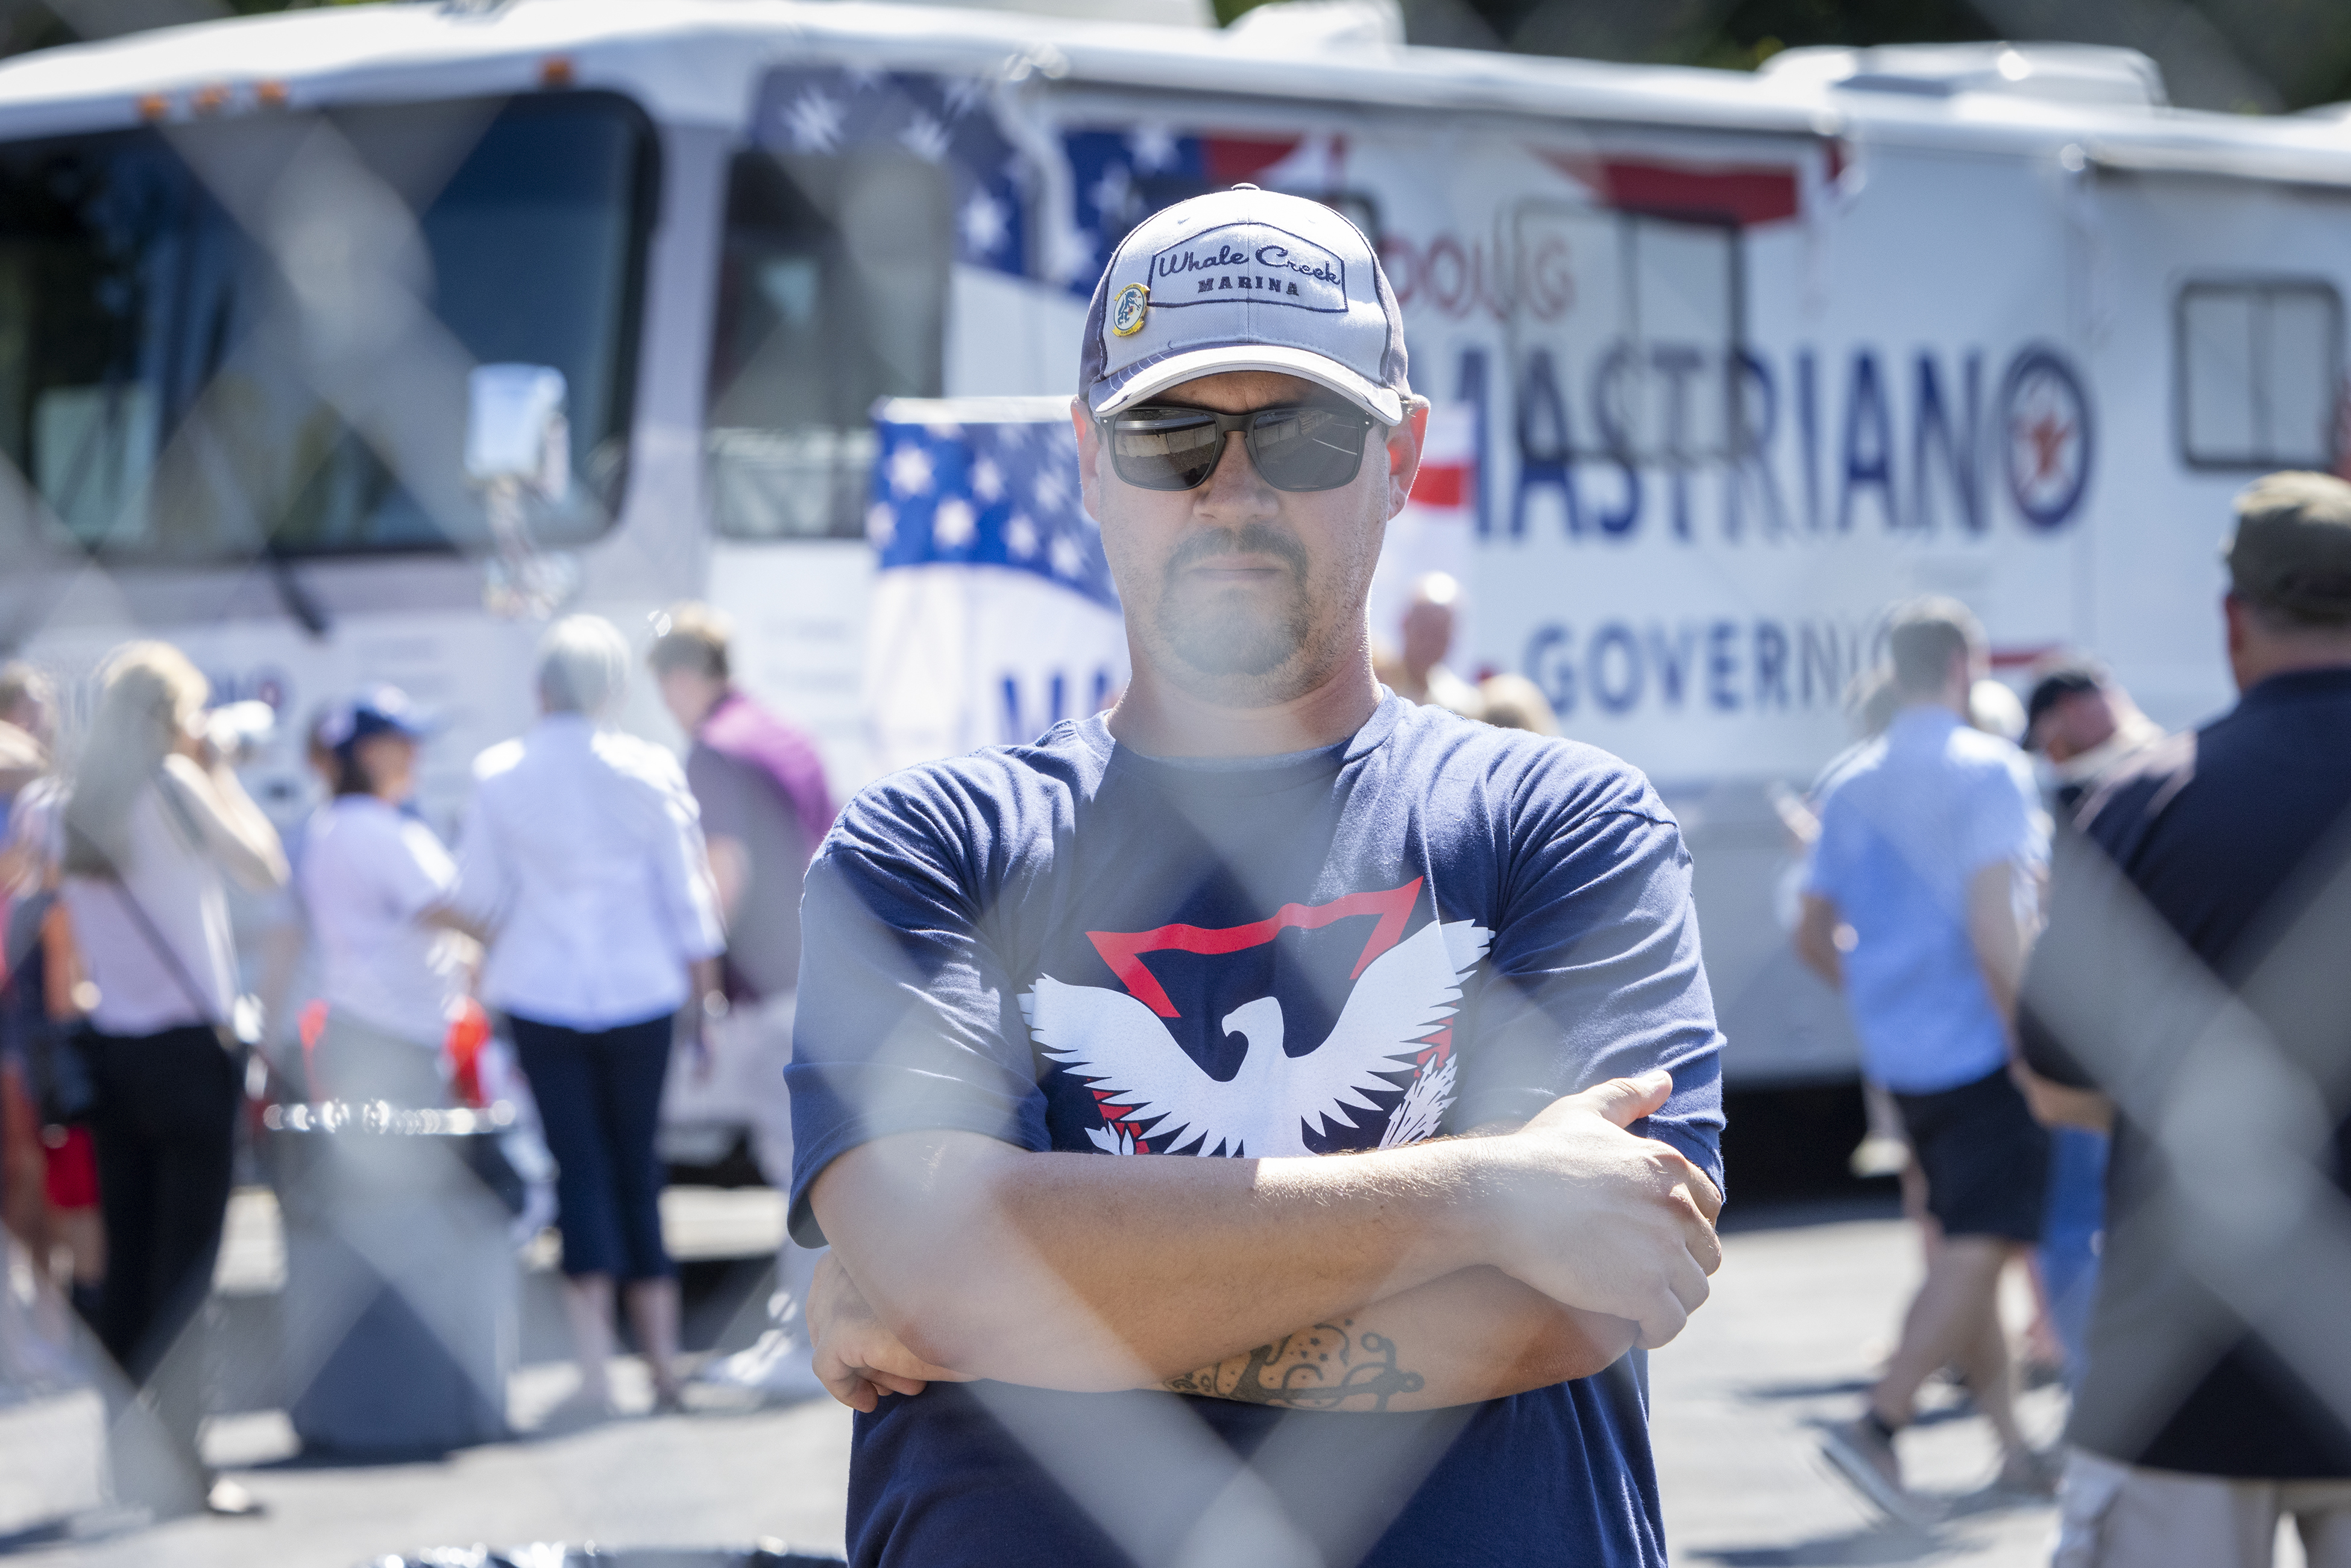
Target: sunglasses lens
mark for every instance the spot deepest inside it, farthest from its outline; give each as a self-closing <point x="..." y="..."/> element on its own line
<point x="1165" y="449"/>
<point x="1308" y="448"/>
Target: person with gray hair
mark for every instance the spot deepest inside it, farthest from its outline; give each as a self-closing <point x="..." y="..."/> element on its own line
<point x="583" y="667"/>
<point x="583" y="867"/>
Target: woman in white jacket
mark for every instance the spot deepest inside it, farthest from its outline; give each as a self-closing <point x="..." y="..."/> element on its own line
<point x="582" y="860"/>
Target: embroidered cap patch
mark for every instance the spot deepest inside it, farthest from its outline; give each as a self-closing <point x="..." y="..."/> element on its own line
<point x="1127" y="311"/>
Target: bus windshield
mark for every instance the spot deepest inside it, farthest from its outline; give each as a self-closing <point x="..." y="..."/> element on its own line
<point x="224" y="339"/>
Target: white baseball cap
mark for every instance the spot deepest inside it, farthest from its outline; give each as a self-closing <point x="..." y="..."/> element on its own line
<point x="1245" y="281"/>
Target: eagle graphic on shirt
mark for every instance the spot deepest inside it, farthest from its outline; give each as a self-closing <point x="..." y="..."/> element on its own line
<point x="1396" y="1020"/>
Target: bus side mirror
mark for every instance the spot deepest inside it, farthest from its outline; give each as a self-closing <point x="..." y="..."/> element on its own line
<point x="515" y="431"/>
<point x="518" y="454"/>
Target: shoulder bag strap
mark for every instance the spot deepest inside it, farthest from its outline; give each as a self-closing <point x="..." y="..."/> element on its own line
<point x="166" y="952"/>
<point x="155" y="940"/>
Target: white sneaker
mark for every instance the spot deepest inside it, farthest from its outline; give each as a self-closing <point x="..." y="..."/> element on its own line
<point x="777" y="1368"/>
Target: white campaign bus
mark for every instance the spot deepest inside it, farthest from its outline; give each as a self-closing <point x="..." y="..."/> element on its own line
<point x="1723" y="363"/>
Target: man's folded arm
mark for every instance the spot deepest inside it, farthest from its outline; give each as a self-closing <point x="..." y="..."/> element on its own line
<point x="1469" y="1337"/>
<point x="1071" y="1271"/>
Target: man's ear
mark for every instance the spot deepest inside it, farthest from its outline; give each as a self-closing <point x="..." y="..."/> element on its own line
<point x="1089" y="451"/>
<point x="1404" y="442"/>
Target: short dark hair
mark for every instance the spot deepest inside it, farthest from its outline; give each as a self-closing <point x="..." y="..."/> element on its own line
<point x="339" y="764"/>
<point x="2280" y="618"/>
<point x="351" y="778"/>
<point x="690" y="636"/>
<point x="2057" y="681"/>
<point x="1922" y="635"/>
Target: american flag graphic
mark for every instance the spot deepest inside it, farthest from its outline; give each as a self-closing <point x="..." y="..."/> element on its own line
<point x="993" y="614"/>
<point x="1116" y="176"/>
<point x="949" y="120"/>
<point x="1119" y="177"/>
<point x="1005" y="494"/>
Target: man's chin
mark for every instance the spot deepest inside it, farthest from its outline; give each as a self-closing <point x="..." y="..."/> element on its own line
<point x="1236" y="648"/>
<point x="1220" y="677"/>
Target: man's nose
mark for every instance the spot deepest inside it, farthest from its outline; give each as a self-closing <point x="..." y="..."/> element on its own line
<point x="1234" y="487"/>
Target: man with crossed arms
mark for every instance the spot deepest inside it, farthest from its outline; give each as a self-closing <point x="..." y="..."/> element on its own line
<point x="1263" y="910"/>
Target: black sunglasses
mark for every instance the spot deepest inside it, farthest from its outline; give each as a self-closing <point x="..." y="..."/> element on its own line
<point x="1311" y="447"/>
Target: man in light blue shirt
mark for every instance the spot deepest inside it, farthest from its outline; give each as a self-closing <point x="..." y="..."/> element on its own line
<point x="1919" y="892"/>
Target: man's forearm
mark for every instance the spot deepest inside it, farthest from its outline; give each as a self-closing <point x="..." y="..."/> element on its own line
<point x="1073" y="1271"/>
<point x="1467" y="1338"/>
<point x="1815" y="941"/>
<point x="2056" y="1104"/>
<point x="1999" y="937"/>
<point x="1082" y="1272"/>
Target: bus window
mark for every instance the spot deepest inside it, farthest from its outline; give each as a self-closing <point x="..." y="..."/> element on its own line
<point x="831" y="294"/>
<point x="220" y="339"/>
<point x="2259" y="365"/>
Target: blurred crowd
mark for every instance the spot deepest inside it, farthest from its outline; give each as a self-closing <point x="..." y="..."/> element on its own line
<point x="2102" y="1040"/>
<point x="1413" y="666"/>
<point x="567" y="972"/>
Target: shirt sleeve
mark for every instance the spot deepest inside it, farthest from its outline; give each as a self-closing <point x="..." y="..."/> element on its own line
<point x="721" y="789"/>
<point x="906" y="1018"/>
<point x="416" y="871"/>
<point x="683" y="865"/>
<point x="484" y="882"/>
<point x="1595" y="974"/>
<point x="2003" y="823"/>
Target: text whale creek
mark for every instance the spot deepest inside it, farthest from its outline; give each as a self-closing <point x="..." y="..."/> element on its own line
<point x="1174" y="264"/>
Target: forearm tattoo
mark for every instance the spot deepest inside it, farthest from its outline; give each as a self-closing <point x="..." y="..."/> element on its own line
<point x="1330" y="1366"/>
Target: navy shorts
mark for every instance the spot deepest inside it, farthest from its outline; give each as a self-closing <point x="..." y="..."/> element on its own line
<point x="1985" y="1158"/>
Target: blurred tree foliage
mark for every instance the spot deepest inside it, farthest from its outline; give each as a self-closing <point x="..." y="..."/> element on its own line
<point x="43" y="23"/>
<point x="2250" y="56"/>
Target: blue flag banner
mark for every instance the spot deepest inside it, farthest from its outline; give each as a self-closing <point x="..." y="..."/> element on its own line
<point x="993" y="613"/>
<point x="943" y="119"/>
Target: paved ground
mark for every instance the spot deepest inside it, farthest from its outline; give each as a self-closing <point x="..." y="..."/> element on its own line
<point x="1800" y="1314"/>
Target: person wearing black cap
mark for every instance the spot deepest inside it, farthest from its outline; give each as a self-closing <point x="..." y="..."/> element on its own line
<point x="377" y="883"/>
<point x="2189" y="990"/>
<point x="1260" y="914"/>
<point x="2079" y="718"/>
<point x="2084" y="723"/>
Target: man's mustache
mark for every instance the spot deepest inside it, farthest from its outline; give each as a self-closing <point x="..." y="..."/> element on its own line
<point x="1256" y="538"/>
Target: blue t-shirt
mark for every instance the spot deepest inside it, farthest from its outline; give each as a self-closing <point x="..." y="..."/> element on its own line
<point x="1906" y="823"/>
<point x="1070" y="945"/>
